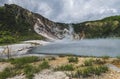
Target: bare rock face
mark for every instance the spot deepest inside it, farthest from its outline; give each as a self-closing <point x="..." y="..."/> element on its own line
<point x="20" y="20"/>
<point x="49" y="29"/>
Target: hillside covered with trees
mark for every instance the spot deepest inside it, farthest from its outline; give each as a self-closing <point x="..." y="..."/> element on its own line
<point x="17" y="24"/>
<point x="107" y="27"/>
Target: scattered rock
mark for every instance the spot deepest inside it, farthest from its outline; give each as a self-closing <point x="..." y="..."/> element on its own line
<point x="49" y="74"/>
<point x="18" y="77"/>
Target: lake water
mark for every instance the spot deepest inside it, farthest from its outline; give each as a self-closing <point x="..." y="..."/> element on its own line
<point x="87" y="47"/>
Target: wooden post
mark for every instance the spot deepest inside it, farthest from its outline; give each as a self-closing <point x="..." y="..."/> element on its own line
<point x="8" y="52"/>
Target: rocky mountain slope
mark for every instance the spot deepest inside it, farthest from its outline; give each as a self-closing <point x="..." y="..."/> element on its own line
<point x="20" y="22"/>
<point x="17" y="23"/>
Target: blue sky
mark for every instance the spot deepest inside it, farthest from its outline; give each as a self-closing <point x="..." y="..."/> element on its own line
<point x="67" y="11"/>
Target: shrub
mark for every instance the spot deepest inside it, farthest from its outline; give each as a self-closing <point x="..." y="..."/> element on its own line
<point x="118" y="57"/>
<point x="23" y="60"/>
<point x="105" y="57"/>
<point x="1" y="9"/>
<point x="2" y="60"/>
<point x="98" y="61"/>
<point x="88" y="62"/>
<point x="61" y="56"/>
<point x="89" y="71"/>
<point x="7" y="72"/>
<point x="73" y="59"/>
<point x="6" y="37"/>
<point x="29" y="71"/>
<point x="52" y="58"/>
<point x="68" y="67"/>
<point x="44" y="65"/>
<point x="116" y="62"/>
<point x="100" y="69"/>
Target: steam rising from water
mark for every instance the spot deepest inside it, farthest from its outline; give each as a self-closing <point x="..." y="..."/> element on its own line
<point x="86" y="47"/>
<point x="68" y="34"/>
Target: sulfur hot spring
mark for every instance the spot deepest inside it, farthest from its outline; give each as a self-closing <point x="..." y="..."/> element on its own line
<point x="85" y="47"/>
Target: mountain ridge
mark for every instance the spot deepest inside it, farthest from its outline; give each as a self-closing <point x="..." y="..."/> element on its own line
<point x="17" y="23"/>
<point x="106" y="27"/>
<point x="20" y="22"/>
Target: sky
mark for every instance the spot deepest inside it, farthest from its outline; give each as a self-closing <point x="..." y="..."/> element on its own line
<point x="70" y="11"/>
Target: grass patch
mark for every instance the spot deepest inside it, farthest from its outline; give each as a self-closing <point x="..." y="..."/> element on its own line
<point x="105" y="57"/>
<point x="30" y="70"/>
<point x="44" y="65"/>
<point x="8" y="72"/>
<point x="52" y="58"/>
<point x="90" y="71"/>
<point x="3" y="60"/>
<point x="88" y="62"/>
<point x="118" y="57"/>
<point x="23" y="65"/>
<point x="73" y="59"/>
<point x="116" y="62"/>
<point x="23" y="60"/>
<point x="68" y="67"/>
<point x="99" y="62"/>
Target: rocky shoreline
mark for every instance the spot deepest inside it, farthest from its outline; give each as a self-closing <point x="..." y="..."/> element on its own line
<point x="21" y="49"/>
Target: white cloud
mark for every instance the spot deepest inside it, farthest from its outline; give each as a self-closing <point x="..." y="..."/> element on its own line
<point x="70" y="10"/>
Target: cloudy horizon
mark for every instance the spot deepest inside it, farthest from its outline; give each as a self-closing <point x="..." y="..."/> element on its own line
<point x="70" y="11"/>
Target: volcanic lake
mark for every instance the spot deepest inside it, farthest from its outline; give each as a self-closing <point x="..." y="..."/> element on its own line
<point x="87" y="47"/>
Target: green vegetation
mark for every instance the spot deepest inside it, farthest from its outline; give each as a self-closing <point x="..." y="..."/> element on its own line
<point x="7" y="72"/>
<point x="91" y="62"/>
<point x="52" y="58"/>
<point x="107" y="27"/>
<point x="118" y="57"/>
<point x="116" y="61"/>
<point x="23" y="65"/>
<point x="32" y="65"/>
<point x="44" y="65"/>
<point x="6" y="37"/>
<point x="30" y="70"/>
<point x="89" y="71"/>
<point x="68" y="67"/>
<point x="23" y="60"/>
<point x="16" y="25"/>
<point x="105" y="57"/>
<point x="99" y="62"/>
<point x="73" y="59"/>
<point x="3" y="60"/>
<point x="90" y="67"/>
<point x="88" y="62"/>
